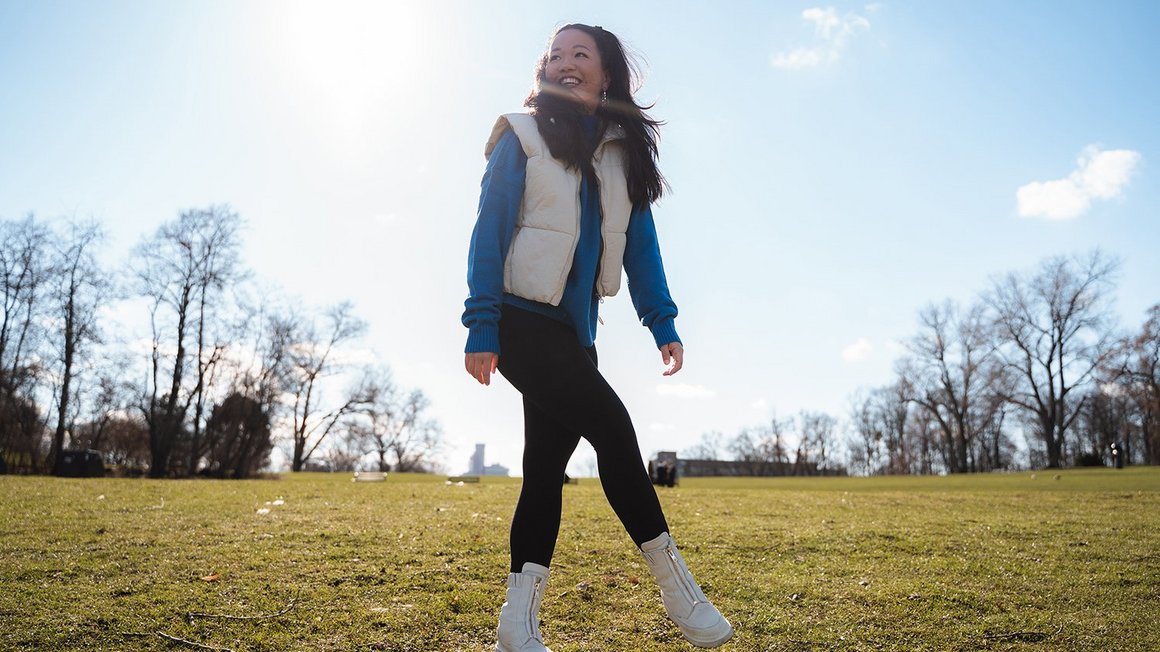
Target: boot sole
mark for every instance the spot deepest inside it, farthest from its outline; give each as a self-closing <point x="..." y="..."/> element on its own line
<point x="710" y="644"/>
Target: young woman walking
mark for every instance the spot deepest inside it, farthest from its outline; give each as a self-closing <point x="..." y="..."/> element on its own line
<point x="564" y="208"/>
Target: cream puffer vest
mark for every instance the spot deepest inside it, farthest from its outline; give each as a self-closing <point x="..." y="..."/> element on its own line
<point x="548" y="226"/>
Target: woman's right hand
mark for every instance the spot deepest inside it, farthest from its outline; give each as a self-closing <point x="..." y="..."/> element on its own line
<point x="481" y="365"/>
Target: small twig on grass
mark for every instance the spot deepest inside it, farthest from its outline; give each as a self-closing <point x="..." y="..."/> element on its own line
<point x="289" y="607"/>
<point x="1030" y="637"/>
<point x="175" y="639"/>
<point x="200" y="646"/>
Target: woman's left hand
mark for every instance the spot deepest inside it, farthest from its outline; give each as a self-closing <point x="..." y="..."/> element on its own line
<point x="674" y="352"/>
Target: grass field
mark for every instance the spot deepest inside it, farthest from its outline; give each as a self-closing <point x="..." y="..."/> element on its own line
<point x="996" y="562"/>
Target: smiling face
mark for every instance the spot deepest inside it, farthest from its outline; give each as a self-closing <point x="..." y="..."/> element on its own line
<point x="574" y="64"/>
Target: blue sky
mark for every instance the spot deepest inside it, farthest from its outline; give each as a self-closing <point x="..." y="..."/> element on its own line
<point x="834" y="168"/>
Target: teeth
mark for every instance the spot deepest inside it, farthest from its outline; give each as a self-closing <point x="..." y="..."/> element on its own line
<point x="570" y="81"/>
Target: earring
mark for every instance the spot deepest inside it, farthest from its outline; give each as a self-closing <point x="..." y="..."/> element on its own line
<point x="604" y="97"/>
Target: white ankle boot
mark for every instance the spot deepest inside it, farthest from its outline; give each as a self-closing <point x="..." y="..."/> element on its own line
<point x="685" y="603"/>
<point x="519" y="619"/>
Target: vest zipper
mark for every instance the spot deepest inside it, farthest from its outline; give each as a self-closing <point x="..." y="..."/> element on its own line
<point x="600" y="205"/>
<point x="599" y="261"/>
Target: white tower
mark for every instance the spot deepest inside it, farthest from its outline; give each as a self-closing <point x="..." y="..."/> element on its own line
<point x="477" y="461"/>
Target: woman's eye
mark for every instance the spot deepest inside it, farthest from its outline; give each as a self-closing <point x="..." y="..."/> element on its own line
<point x="582" y="54"/>
<point x="554" y="57"/>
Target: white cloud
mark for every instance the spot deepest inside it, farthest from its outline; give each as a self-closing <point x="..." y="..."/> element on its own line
<point x="682" y="390"/>
<point x="825" y="20"/>
<point x="759" y="404"/>
<point x="1098" y="175"/>
<point x="661" y="427"/>
<point x="833" y="33"/>
<point x="857" y="351"/>
<point x="830" y="27"/>
<point x="802" y="58"/>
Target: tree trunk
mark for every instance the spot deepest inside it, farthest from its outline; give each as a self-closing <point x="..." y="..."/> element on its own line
<point x="1054" y="447"/>
<point x="65" y="385"/>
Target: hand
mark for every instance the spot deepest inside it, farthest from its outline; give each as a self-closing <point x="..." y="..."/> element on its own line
<point x="481" y="366"/>
<point x="676" y="353"/>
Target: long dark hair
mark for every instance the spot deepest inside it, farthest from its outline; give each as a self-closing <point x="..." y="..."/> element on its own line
<point x="558" y="118"/>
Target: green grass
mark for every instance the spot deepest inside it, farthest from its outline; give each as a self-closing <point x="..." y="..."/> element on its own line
<point x="994" y="562"/>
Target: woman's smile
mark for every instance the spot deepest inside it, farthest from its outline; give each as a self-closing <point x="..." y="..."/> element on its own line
<point x="574" y="63"/>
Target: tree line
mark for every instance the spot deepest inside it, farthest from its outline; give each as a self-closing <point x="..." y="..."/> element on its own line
<point x="1036" y="362"/>
<point x="229" y="369"/>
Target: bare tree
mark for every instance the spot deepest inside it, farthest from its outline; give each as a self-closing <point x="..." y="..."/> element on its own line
<point x="708" y="448"/>
<point x="1141" y="376"/>
<point x="886" y="433"/>
<point x="922" y="433"/>
<point x="80" y="287"/>
<point x="1056" y="330"/>
<point x="954" y="374"/>
<point x="414" y="440"/>
<point x="773" y="447"/>
<point x="817" y="440"/>
<point x="24" y="272"/>
<point x="1104" y="422"/>
<point x="263" y="372"/>
<point x="21" y="431"/>
<point x="108" y="397"/>
<point x="256" y="367"/>
<point x="762" y="451"/>
<point x="866" y="433"/>
<point x="393" y="424"/>
<point x="312" y="357"/>
<point x="746" y="452"/>
<point x="23" y="275"/>
<point x="343" y="454"/>
<point x="995" y="448"/>
<point x="183" y="269"/>
<point x="894" y="414"/>
<point x="125" y="441"/>
<point x="379" y="417"/>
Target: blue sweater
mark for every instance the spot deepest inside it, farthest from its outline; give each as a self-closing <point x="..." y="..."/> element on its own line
<point x="500" y="198"/>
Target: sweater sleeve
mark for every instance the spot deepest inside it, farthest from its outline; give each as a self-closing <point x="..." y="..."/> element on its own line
<point x="646" y="277"/>
<point x="501" y="193"/>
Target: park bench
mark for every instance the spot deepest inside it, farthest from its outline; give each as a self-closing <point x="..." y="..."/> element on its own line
<point x="369" y="476"/>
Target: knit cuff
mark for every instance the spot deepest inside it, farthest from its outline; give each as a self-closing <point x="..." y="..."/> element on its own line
<point x="664" y="331"/>
<point x="483" y="338"/>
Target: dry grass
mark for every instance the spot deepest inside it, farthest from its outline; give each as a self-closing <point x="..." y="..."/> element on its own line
<point x="966" y="563"/>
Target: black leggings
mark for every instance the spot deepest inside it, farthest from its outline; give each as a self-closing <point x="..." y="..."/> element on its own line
<point x="566" y="398"/>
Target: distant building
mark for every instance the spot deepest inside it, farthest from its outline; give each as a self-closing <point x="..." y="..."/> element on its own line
<point x="495" y="469"/>
<point x="476" y="465"/>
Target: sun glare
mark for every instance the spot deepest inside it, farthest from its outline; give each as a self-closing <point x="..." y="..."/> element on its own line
<point x="346" y="63"/>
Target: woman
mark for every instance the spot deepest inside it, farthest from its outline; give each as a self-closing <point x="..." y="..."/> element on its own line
<point x="565" y="206"/>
